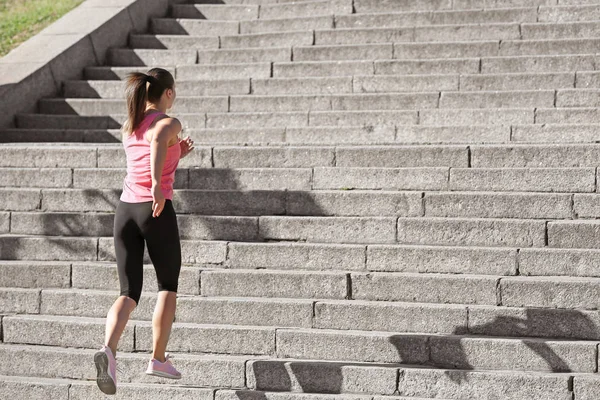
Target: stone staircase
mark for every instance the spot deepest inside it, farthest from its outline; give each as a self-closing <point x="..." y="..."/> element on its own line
<point x="389" y="199"/>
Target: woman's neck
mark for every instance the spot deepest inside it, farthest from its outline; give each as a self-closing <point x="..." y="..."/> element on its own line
<point x="153" y="109"/>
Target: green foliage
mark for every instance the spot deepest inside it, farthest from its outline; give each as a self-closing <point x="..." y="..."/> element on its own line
<point x="22" y="19"/>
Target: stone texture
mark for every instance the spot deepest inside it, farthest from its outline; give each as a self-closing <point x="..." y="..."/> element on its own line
<point x="498" y="205"/>
<point x="550" y="292"/>
<point x="424" y="288"/>
<point x="510" y="386"/>
<point x="471" y="232"/>
<point x="287" y="284"/>
<point x="566" y="262"/>
<point x="438" y="259"/>
<point x="523" y="179"/>
<point x="329" y="229"/>
<point x="298" y="379"/>
<point x="60" y="331"/>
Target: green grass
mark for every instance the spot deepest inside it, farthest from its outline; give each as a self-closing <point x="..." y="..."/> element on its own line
<point x="22" y="19"/>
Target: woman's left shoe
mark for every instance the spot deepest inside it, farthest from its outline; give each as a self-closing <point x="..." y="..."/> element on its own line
<point x="106" y="367"/>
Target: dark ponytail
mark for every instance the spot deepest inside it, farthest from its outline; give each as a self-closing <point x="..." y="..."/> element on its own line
<point x="141" y="88"/>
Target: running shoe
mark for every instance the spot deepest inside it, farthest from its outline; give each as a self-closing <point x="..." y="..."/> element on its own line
<point x="106" y="367"/>
<point x="164" y="370"/>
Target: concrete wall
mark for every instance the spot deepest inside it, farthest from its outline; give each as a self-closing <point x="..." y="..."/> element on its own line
<point x="79" y="39"/>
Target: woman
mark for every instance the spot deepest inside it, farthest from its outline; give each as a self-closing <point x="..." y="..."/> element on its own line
<point x="145" y="213"/>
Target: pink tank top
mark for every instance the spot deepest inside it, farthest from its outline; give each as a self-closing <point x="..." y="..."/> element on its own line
<point x="137" y="185"/>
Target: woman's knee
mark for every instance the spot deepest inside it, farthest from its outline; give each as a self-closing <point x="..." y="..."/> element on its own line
<point x="133" y="298"/>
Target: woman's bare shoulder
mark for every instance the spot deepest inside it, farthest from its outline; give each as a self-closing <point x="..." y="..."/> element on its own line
<point x="165" y="121"/>
<point x="164" y="126"/>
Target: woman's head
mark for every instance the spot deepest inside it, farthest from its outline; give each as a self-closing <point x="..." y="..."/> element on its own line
<point x="156" y="88"/>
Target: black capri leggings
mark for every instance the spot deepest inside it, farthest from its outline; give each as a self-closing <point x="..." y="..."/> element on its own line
<point x="134" y="223"/>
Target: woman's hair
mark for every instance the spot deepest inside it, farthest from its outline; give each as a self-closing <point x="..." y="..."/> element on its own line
<point x="141" y="88"/>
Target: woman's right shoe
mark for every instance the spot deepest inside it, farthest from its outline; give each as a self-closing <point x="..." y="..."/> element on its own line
<point x="164" y="370"/>
<point x="106" y="366"/>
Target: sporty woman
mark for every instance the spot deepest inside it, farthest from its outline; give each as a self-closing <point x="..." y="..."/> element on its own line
<point x="145" y="214"/>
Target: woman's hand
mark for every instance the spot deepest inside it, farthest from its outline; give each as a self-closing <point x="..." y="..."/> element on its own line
<point x="187" y="145"/>
<point x="158" y="201"/>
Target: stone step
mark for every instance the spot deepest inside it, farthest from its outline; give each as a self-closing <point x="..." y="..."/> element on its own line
<point x="195" y="27"/>
<point x="410" y="178"/>
<point x="542" y="133"/>
<point x="384" y="6"/>
<point x="329" y="203"/>
<point x="363" y="230"/>
<point x="207" y="369"/>
<point x="228" y="371"/>
<point x="507" y="82"/>
<point x="556" y="30"/>
<point x="88" y="248"/>
<point x="305" y="8"/>
<point x="490" y="65"/>
<point x="224" y="71"/>
<point x="316" y="257"/>
<point x="498" y="205"/>
<point x="41" y="121"/>
<point x="236" y="202"/>
<point x="72" y="248"/>
<point x="298" y="119"/>
<point x="551" y="292"/>
<point x="264" y="11"/>
<point x="476" y="156"/>
<point x="245" y="228"/>
<point x="439" y="17"/>
<point x="540" y="179"/>
<point x="118" y="73"/>
<point x="505" y="385"/>
<point x="460" y="32"/>
<point x="471" y="232"/>
<point x="312" y="135"/>
<point x="230" y="38"/>
<point x="222" y="12"/>
<point x="172" y="42"/>
<point x="577" y="97"/>
<point x="421" y="50"/>
<point x="560" y="262"/>
<point x="493" y="48"/>
<point x="73" y="389"/>
<point x="341" y="102"/>
<point x="490" y="320"/>
<point x="398" y="258"/>
<point x="325" y="20"/>
<point x="534" y="155"/>
<point x="250" y="55"/>
<point x="270" y="39"/>
<point x="339" y="68"/>
<point x="544" y="63"/>
<point x="450" y="351"/>
<point x="116" y="89"/>
<point x="405" y="5"/>
<point x="583" y="229"/>
<point x="467" y="179"/>
<point x="115" y="121"/>
<point x="569" y="13"/>
<point x="351" y="84"/>
<point x="16" y="135"/>
<point x="99" y="107"/>
<point x="143" y="57"/>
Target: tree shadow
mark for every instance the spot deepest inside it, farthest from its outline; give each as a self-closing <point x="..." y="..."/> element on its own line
<point x="535" y="326"/>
